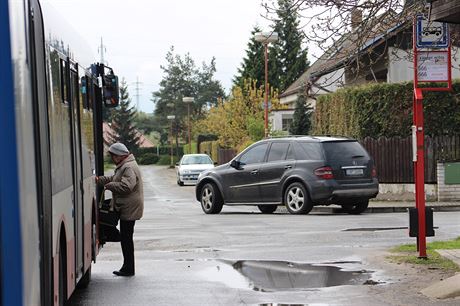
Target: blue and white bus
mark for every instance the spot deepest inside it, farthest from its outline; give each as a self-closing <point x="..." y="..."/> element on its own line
<point x="51" y="100"/>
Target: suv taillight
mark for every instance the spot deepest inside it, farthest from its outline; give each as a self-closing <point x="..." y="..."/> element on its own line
<point x="374" y="172"/>
<point x="324" y="173"/>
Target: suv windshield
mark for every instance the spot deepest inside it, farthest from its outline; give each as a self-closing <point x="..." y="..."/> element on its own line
<point x="339" y="150"/>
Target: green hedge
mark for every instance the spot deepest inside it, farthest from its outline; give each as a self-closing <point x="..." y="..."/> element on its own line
<point x="163" y="150"/>
<point x="211" y="148"/>
<point x="147" y="159"/>
<point x="385" y="110"/>
<point x="194" y="148"/>
<point x="166" y="160"/>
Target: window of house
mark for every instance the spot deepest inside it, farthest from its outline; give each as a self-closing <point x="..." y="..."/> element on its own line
<point x="286" y="124"/>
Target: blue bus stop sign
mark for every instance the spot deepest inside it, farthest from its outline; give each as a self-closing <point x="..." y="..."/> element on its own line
<point x="431" y="34"/>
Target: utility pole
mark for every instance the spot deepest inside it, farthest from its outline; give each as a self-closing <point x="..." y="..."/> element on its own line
<point x="101" y="50"/>
<point x="137" y="89"/>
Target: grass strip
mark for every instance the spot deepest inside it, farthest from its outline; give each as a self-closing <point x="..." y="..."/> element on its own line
<point x="405" y="254"/>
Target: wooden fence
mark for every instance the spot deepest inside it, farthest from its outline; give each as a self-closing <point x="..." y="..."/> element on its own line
<point x="225" y="155"/>
<point x="393" y="157"/>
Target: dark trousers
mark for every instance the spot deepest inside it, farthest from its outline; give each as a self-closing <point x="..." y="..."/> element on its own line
<point x="127" y="245"/>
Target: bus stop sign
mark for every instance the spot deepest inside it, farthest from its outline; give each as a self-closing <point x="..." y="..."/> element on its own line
<point x="431" y="34"/>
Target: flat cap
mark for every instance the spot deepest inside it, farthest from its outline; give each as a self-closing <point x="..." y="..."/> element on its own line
<point x="118" y="149"/>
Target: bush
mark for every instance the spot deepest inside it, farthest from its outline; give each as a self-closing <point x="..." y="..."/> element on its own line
<point x="211" y="148"/>
<point x="165" y="160"/>
<point x="256" y="128"/>
<point x="244" y="145"/>
<point x="385" y="110"/>
<point x="194" y="148"/>
<point x="162" y="150"/>
<point x="147" y="159"/>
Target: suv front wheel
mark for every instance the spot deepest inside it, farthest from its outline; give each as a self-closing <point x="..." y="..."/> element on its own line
<point x="296" y="199"/>
<point x="211" y="200"/>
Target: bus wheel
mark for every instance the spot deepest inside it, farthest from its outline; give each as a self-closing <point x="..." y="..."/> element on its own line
<point x="62" y="279"/>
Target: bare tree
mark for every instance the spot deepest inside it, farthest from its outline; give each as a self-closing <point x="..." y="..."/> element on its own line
<point x="326" y="22"/>
<point x="354" y="33"/>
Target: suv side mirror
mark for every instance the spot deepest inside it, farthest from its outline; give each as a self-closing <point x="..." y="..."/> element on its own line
<point x="235" y="164"/>
<point x="110" y="90"/>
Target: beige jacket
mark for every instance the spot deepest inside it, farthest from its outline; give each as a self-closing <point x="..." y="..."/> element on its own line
<point x="127" y="189"/>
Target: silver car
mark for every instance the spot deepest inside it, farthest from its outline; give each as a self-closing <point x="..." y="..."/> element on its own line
<point x="190" y="166"/>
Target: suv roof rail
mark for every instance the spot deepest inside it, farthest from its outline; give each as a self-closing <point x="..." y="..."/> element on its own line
<point x="289" y="136"/>
<point x="330" y="135"/>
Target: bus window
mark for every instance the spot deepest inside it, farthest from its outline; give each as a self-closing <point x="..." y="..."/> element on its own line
<point x="64" y="83"/>
<point x="84" y="91"/>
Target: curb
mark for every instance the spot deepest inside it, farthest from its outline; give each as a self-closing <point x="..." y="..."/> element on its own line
<point x="384" y="209"/>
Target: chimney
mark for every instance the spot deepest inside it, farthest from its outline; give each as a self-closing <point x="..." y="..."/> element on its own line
<point x="356" y="18"/>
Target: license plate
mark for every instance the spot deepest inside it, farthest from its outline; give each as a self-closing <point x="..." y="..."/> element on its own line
<point x="354" y="171"/>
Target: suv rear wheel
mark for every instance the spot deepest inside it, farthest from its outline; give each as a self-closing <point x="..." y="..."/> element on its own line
<point x="296" y="199"/>
<point x="211" y="200"/>
<point x="357" y="208"/>
<point x="267" y="209"/>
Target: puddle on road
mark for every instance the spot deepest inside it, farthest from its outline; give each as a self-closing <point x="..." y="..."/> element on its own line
<point x="283" y="276"/>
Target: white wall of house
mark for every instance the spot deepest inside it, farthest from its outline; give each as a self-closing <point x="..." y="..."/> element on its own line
<point x="401" y="66"/>
<point x="289" y="100"/>
<point x="277" y="118"/>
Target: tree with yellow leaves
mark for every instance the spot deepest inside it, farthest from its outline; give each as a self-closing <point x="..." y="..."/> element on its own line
<point x="239" y="121"/>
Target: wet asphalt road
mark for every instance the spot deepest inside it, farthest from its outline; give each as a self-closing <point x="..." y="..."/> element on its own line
<point x="242" y="257"/>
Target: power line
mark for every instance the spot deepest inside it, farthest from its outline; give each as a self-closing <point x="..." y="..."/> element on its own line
<point x="137" y="89"/>
<point x="101" y="50"/>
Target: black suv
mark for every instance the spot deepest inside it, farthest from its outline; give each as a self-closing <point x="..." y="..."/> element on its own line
<point x="299" y="172"/>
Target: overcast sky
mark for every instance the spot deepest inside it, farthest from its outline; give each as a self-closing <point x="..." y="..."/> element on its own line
<point x="137" y="35"/>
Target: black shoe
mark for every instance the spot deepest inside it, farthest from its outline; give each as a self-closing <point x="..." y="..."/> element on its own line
<point x="123" y="273"/>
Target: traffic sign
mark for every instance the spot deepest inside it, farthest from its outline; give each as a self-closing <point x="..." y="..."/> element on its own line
<point x="431" y="34"/>
<point x="433" y="66"/>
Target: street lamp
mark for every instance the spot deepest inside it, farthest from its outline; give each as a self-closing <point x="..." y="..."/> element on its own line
<point x="171" y="117"/>
<point x="266" y="38"/>
<point x="188" y="101"/>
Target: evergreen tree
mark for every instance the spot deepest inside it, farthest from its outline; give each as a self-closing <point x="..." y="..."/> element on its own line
<point x="123" y="118"/>
<point x="275" y="68"/>
<point x="291" y="56"/>
<point x="287" y="59"/>
<point x="301" y="123"/>
<point x="253" y="66"/>
<point x="208" y="91"/>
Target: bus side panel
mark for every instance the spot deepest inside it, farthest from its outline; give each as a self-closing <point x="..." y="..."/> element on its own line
<point x="88" y="166"/>
<point x="28" y="234"/>
<point x="42" y="148"/>
<point x="61" y="157"/>
<point x="11" y="291"/>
